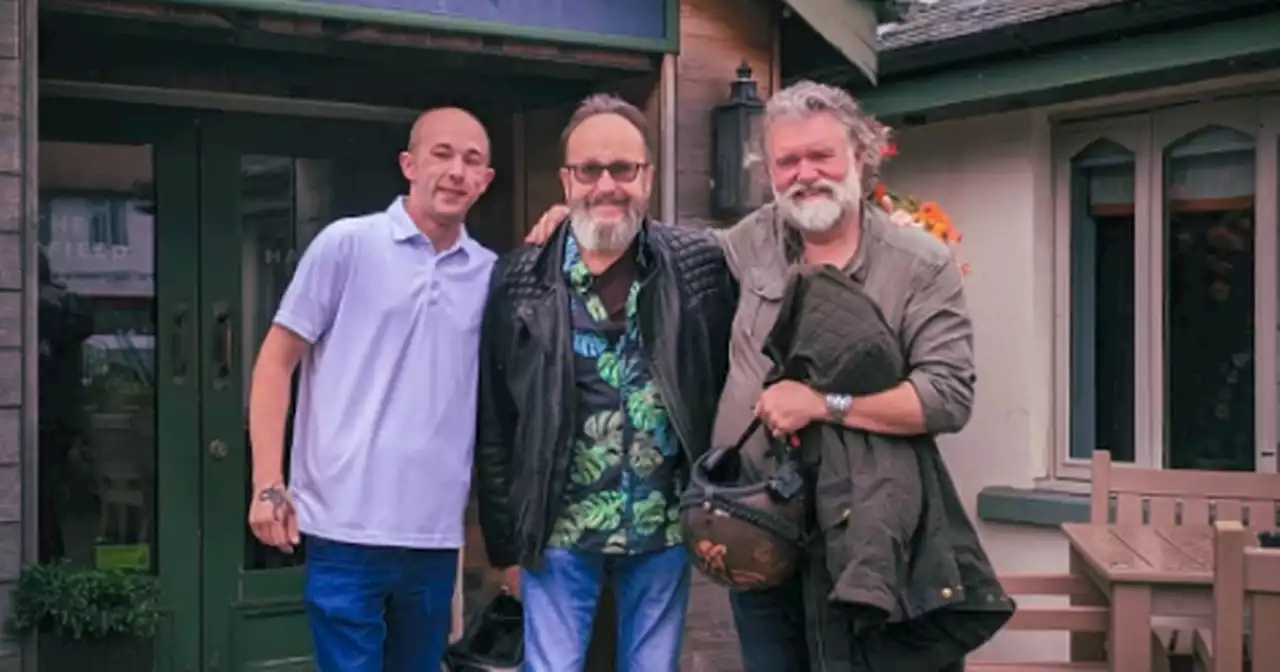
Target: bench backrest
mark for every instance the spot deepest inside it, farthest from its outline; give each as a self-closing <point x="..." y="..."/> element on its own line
<point x="1246" y="580"/>
<point x="1181" y="497"/>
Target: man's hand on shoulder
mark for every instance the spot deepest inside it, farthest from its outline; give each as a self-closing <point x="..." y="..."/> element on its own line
<point x="547" y="224"/>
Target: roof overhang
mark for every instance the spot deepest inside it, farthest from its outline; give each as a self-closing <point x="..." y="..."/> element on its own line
<point x="849" y="26"/>
<point x="1159" y="59"/>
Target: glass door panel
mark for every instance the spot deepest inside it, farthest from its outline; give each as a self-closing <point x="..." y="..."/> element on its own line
<point x="284" y="202"/>
<point x="267" y="188"/>
<point x="117" y="376"/>
<point x="97" y="366"/>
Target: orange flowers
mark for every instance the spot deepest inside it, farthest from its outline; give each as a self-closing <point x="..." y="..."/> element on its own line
<point x="927" y="215"/>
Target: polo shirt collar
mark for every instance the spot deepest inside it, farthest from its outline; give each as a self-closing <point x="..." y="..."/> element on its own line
<point x="403" y="229"/>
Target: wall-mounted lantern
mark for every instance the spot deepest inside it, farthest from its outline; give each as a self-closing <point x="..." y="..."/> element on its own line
<point x="738" y="182"/>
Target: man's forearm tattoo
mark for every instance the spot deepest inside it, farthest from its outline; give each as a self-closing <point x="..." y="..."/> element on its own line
<point x="279" y="500"/>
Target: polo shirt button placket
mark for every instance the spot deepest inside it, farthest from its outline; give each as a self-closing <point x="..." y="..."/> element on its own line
<point x="433" y="285"/>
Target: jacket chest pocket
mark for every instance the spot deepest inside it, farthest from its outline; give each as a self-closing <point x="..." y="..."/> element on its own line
<point x="761" y="298"/>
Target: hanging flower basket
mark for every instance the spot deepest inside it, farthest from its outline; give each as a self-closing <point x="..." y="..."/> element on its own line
<point x="928" y="215"/>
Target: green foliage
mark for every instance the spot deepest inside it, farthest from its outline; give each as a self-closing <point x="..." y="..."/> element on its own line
<point x="72" y="603"/>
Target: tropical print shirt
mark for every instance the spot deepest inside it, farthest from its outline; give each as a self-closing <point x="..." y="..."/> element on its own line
<point x="621" y="496"/>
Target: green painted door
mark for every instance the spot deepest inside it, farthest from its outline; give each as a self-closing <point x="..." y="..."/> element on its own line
<point x="220" y="207"/>
<point x="266" y="187"/>
<point x="119" y="194"/>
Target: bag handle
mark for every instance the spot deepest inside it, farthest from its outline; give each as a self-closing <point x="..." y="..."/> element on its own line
<point x="717" y="455"/>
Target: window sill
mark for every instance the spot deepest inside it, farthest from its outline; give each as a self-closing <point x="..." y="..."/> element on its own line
<point x="1036" y="507"/>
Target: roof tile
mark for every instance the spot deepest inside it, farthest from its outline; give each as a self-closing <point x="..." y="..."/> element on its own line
<point x="949" y="19"/>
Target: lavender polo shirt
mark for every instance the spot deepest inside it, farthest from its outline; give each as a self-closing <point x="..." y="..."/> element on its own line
<point x="385" y="426"/>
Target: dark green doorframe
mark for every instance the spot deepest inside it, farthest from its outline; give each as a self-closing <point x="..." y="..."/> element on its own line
<point x="225" y="612"/>
<point x="173" y="139"/>
<point x="267" y="184"/>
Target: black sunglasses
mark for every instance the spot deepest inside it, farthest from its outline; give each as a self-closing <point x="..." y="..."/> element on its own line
<point x="590" y="172"/>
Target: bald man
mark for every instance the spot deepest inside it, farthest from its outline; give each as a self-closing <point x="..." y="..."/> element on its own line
<point x="383" y="315"/>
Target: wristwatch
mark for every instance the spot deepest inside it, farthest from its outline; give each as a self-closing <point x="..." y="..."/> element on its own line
<point x="838" y="406"/>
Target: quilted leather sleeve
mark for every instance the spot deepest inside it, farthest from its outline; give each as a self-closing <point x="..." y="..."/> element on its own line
<point x="496" y="428"/>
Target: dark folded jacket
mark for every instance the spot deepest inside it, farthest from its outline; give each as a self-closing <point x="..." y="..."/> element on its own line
<point x="896" y="555"/>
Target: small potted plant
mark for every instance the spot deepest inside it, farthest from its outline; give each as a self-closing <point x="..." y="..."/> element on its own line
<point x="88" y="619"/>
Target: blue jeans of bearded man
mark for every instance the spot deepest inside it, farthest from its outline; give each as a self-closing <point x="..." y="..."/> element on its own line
<point x="560" y="599"/>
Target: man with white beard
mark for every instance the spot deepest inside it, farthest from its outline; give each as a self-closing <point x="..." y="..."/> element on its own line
<point x="818" y="148"/>
<point x="602" y="355"/>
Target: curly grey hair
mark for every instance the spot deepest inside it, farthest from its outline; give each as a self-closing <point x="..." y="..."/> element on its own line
<point x="869" y="137"/>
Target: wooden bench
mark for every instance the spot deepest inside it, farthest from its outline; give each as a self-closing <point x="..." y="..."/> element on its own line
<point x="1246" y="580"/>
<point x="1145" y="497"/>
<point x="1181" y="497"/>
<point x="1090" y="618"/>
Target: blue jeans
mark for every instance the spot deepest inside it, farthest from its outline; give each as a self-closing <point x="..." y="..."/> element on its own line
<point x="771" y="627"/>
<point x="560" y="598"/>
<point x="377" y="608"/>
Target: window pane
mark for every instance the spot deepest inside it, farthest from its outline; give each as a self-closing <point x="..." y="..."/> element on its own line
<point x="1102" y="303"/>
<point x="97" y="363"/>
<point x="284" y="202"/>
<point x="1209" y="290"/>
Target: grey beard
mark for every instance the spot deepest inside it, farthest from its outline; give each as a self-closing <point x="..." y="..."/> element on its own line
<point x="611" y="238"/>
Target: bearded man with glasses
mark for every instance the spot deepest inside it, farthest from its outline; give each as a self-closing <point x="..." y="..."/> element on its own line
<point x="602" y="355"/>
<point x="920" y="593"/>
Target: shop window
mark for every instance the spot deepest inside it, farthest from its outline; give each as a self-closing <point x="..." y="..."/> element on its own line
<point x="1102" y="301"/>
<point x="1158" y="222"/>
<point x="1209" y="300"/>
<point x="97" y="366"/>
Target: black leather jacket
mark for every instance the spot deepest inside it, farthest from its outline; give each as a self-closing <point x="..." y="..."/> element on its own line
<point x="526" y="423"/>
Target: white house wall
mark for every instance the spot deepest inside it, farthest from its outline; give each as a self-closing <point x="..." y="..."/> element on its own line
<point x="992" y="176"/>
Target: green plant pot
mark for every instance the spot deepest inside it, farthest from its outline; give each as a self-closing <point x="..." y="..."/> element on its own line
<point x="112" y="654"/>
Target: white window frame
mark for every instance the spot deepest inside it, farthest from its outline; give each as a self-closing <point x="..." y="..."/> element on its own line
<point x="1147" y="135"/>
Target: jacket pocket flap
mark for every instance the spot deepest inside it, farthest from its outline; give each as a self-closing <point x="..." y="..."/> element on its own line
<point x="833" y="510"/>
<point x="766" y="284"/>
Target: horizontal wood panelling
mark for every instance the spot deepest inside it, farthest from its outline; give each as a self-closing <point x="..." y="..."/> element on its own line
<point x="715" y="38"/>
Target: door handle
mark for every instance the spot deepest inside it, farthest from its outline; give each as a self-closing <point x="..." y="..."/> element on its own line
<point x="222" y="345"/>
<point x="179" y="345"/>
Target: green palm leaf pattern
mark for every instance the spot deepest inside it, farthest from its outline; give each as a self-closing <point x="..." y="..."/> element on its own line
<point x="607" y="365"/>
<point x="600" y="511"/>
<point x="630" y="368"/>
<point x="595" y="308"/>
<point x="604" y="427"/>
<point x="621" y="495"/>
<point x="650" y="514"/>
<point x="579" y="275"/>
<point x="565" y="533"/>
<point x="644" y="456"/>
<point x="602" y="450"/>
<point x="674" y="534"/>
<point x="645" y="409"/>
<point x="631" y="300"/>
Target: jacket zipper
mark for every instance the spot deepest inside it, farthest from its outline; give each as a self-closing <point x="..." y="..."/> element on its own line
<point x="657" y="369"/>
<point x="567" y="401"/>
